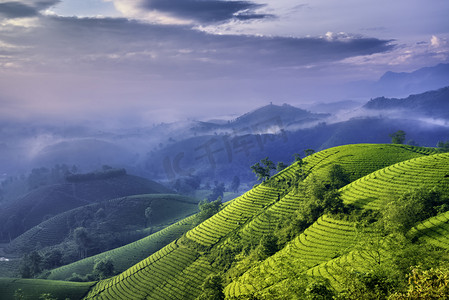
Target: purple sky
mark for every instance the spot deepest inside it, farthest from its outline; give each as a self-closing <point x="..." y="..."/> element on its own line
<point x="146" y="61"/>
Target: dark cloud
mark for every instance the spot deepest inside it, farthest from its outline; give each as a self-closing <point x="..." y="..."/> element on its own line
<point x="16" y="10"/>
<point x="206" y="11"/>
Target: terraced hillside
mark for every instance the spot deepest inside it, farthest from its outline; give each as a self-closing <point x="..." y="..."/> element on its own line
<point x="328" y="245"/>
<point x="246" y="213"/>
<point x="380" y="187"/>
<point x="178" y="270"/>
<point x="325" y="240"/>
<point x="434" y="231"/>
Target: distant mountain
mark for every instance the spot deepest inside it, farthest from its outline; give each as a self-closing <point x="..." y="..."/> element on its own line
<point x="424" y="79"/>
<point x="42" y="203"/>
<point x="432" y="104"/>
<point x="402" y="84"/>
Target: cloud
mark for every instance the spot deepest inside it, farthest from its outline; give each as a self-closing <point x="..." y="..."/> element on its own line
<point x="24" y="9"/>
<point x="16" y="10"/>
<point x="190" y="11"/>
<point x="413" y="56"/>
<point x="69" y="66"/>
<point x="162" y="50"/>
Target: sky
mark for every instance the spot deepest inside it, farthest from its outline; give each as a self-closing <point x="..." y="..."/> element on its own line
<point x="141" y="62"/>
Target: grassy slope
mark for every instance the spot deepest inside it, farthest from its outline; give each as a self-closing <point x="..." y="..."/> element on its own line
<point x="237" y="215"/>
<point x="120" y="215"/>
<point x="33" y="288"/>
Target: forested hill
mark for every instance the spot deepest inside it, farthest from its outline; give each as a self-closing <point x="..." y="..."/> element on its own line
<point x="351" y="222"/>
<point x="433" y="104"/>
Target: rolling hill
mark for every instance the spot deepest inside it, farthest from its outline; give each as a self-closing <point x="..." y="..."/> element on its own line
<point x="119" y="218"/>
<point x="40" y="204"/>
<point x="233" y="243"/>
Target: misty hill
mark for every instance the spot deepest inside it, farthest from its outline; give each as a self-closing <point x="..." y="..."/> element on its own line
<point x="265" y="119"/>
<point x="432" y="104"/>
<point x="42" y="203"/>
<point x="287" y="115"/>
<point x="221" y="157"/>
<point x="110" y="223"/>
<point x="85" y="153"/>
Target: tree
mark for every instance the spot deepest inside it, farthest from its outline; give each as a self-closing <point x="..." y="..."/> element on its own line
<point x="268" y="246"/>
<point x="260" y="171"/>
<point x="148" y="215"/>
<point x="217" y="192"/>
<point x="444" y="146"/>
<point x="47" y="296"/>
<point x="235" y="184"/>
<point x="398" y="137"/>
<point x="263" y="169"/>
<point x="338" y="177"/>
<point x="52" y="259"/>
<point x="426" y="284"/>
<point x="309" y="151"/>
<point x="82" y="239"/>
<point x="280" y="166"/>
<point x="103" y="268"/>
<point x="30" y="266"/>
<point x="297" y="157"/>
<point x="212" y="288"/>
<point x="400" y="215"/>
<point x="207" y="210"/>
<point x="187" y="184"/>
<point x="19" y="294"/>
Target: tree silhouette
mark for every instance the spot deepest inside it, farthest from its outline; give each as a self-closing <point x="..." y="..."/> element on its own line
<point x="398" y="137"/>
